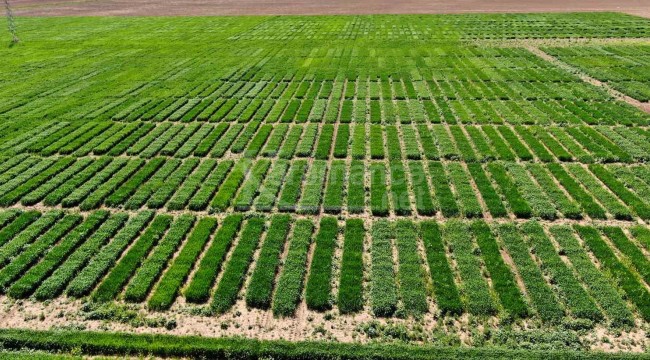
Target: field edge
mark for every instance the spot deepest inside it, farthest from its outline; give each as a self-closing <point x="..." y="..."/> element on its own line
<point x="124" y="344"/>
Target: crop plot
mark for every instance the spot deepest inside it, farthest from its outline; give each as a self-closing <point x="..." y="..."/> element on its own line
<point x="456" y="180"/>
<point x="624" y="67"/>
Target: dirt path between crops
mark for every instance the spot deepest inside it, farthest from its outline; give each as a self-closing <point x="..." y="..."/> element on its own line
<point x="315" y="7"/>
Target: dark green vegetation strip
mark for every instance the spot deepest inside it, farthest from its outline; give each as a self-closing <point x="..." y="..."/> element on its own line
<point x="636" y="292"/>
<point x="120" y="275"/>
<point x="318" y="292"/>
<point x="151" y="268"/>
<point x="260" y="288"/>
<point x="174" y="278"/>
<point x="474" y="287"/>
<point x="59" y="253"/>
<point x="98" y="265"/>
<point x="199" y="289"/>
<point x="119" y="344"/>
<point x="575" y="296"/>
<point x="444" y="285"/>
<point x="599" y="285"/>
<point x="412" y="288"/>
<point x="233" y="275"/>
<point x="383" y="291"/>
<point x="502" y="277"/>
<point x="541" y="295"/>
<point x="291" y="280"/>
<point x="350" y="297"/>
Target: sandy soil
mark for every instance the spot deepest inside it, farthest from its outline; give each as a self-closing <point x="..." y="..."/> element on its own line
<point x="312" y="7"/>
<point x="65" y="313"/>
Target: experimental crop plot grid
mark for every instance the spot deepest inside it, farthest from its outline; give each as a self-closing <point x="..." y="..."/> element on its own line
<point x="331" y="167"/>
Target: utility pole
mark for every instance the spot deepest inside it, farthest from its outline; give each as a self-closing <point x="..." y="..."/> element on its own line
<point x="11" y="23"/>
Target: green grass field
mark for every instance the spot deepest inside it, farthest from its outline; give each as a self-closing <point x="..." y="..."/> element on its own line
<point x="463" y="185"/>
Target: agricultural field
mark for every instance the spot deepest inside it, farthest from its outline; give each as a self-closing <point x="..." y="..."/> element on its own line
<point x="470" y="186"/>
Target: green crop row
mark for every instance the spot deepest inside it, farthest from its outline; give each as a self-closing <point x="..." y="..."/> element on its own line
<point x="534" y="190"/>
<point x="474" y="285"/>
<point x="190" y="186"/>
<point x="441" y="187"/>
<point x="444" y="285"/>
<point x="292" y="186"/>
<point x="510" y="192"/>
<point x="334" y="192"/>
<point x="636" y="292"/>
<point x="113" y="283"/>
<point x="84" y="282"/>
<point x="466" y="197"/>
<point x="318" y="291"/>
<point x="540" y="204"/>
<point x="151" y="268"/>
<point x="410" y="273"/>
<point x="270" y="188"/>
<point x="541" y="296"/>
<point x="641" y="208"/>
<point x="276" y="138"/>
<point x="55" y="195"/>
<point x="313" y="189"/>
<point x="171" y="184"/>
<point x="61" y="255"/>
<point x="379" y="203"/>
<point x="570" y="289"/>
<point x="503" y="280"/>
<point x="26" y="182"/>
<point x="291" y="278"/>
<point x="383" y="291"/>
<point x="350" y="294"/>
<point x="572" y="187"/>
<point x="204" y="195"/>
<point x="146" y="190"/>
<point x="260" y="288"/>
<point x="102" y="177"/>
<point x="23" y="261"/>
<point x="198" y="291"/>
<point x="486" y="189"/>
<point x="598" y="284"/>
<point x="94" y="199"/>
<point x="241" y="257"/>
<point x="423" y="200"/>
<point x="48" y="287"/>
<point x="250" y="187"/>
<point x="164" y="295"/>
<point x="54" y="252"/>
<point x="16" y="241"/>
<point x="121" y="194"/>
<point x="609" y="202"/>
<point x="562" y="202"/>
<point x="356" y="187"/>
<point x="636" y="257"/>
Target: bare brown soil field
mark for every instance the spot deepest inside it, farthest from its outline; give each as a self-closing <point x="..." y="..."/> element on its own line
<point x="315" y="7"/>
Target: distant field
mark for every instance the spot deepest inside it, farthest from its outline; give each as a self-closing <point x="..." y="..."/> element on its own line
<point x="475" y="183"/>
<point x="312" y="7"/>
